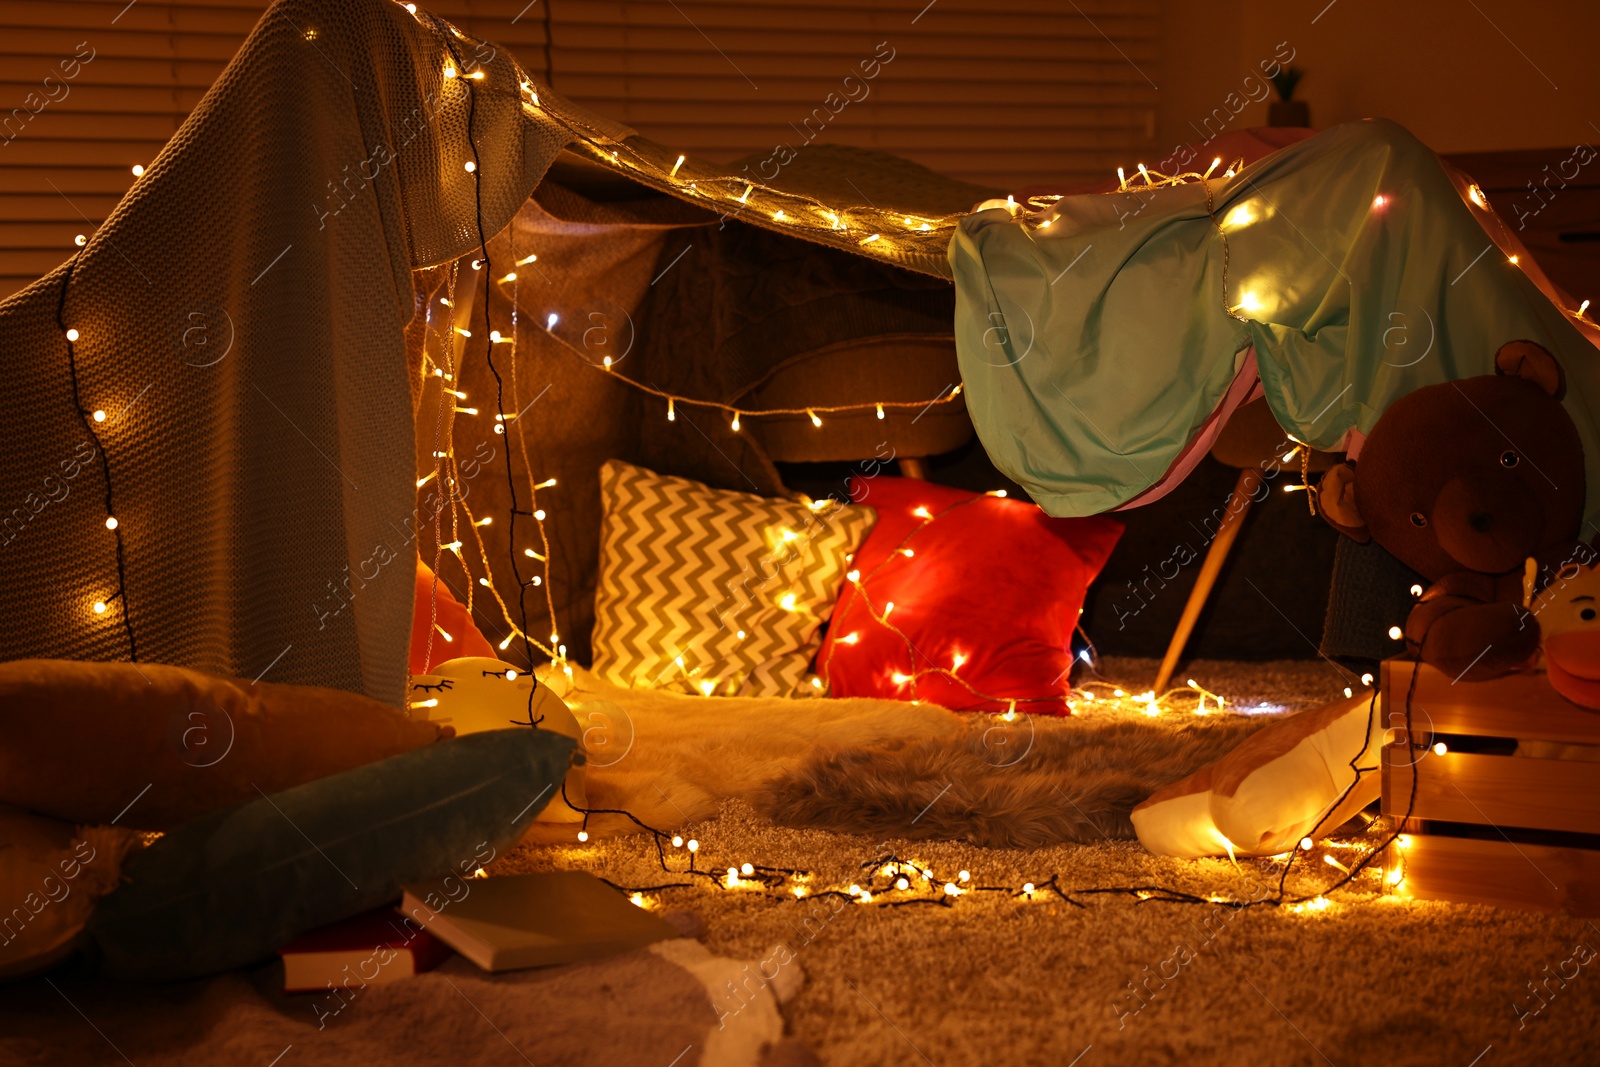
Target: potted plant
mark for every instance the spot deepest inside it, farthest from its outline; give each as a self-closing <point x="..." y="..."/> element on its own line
<point x="1286" y="110"/>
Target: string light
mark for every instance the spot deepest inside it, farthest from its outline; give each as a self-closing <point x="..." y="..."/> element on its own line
<point x="138" y="170"/>
<point x="734" y="425"/>
<point x="815" y="419"/>
<point x="672" y="411"/>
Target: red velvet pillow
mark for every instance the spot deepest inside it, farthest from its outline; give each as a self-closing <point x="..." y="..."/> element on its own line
<point x="996" y="582"/>
<point x="451" y="615"/>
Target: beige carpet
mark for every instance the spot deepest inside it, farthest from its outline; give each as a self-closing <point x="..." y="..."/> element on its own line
<point x="1370" y="979"/>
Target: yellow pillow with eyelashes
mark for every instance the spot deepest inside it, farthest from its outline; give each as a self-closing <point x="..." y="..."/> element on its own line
<point x="474" y="693"/>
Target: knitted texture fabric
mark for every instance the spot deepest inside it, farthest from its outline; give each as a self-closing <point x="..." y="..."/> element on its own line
<point x="241" y="322"/>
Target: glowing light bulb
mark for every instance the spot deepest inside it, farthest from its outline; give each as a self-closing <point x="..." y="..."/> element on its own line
<point x="866" y="897"/>
<point x="963" y="876"/>
<point x="1440" y="749"/>
<point x="1249" y="301"/>
<point x="853" y="576"/>
<point x="1306" y="843"/>
<point x="693" y="845"/>
<point x="485" y="521"/>
<point x="538" y="515"/>
<point x="73" y="335"/>
<point x="583" y="835"/>
<point x="779" y="216"/>
<point x="888" y="608"/>
<point x="99" y="607"/>
<point x="735" y="423"/>
<point x="430" y="703"/>
<point x="922" y="513"/>
<point x="607" y="363"/>
<point x="787" y="602"/>
<point x="672" y="411"/>
<point x="907" y="553"/>
<point x="111" y="522"/>
<point x="449" y="72"/>
<point x="506" y="643"/>
<point x="900" y="679"/>
<point x="443" y="632"/>
<point x="98" y="416"/>
<point x="740" y="635"/>
<point x="902" y="884"/>
<point x="880" y="406"/>
<point x="80" y="240"/>
<point x="746" y="869"/>
<point x="1476" y="196"/>
<point x="1366" y="679"/>
<point x="1348" y="692"/>
<point x="1582" y="308"/>
<point x="1416" y="590"/>
<point x="551" y="320"/>
<point x="950" y="889"/>
<point x="854" y="890"/>
<point x="676" y="165"/>
<point x="708" y="687"/>
<point x="1514" y="260"/>
<point x="1027" y="887"/>
<point x="637" y="900"/>
<point x="511" y="675"/>
<point x="471" y="166"/>
<point x="138" y="170"/>
<point x="1379" y="201"/>
<point x="677" y="840"/>
<point x="1395" y="633"/>
<point x="957" y="660"/>
<point x="815" y="421"/>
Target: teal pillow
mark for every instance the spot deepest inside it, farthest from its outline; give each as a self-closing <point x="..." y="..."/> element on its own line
<point x="232" y="888"/>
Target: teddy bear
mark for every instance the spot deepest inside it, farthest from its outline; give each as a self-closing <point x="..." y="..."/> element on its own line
<point x="1465" y="482"/>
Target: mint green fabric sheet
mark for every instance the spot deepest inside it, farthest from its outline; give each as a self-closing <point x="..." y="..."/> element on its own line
<point x="1094" y="349"/>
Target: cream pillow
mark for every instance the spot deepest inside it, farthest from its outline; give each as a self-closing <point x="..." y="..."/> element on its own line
<point x="51" y="875"/>
<point x="709" y="591"/>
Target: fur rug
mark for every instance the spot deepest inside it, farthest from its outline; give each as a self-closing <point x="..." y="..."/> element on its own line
<point x="999" y="785"/>
<point x="883" y="767"/>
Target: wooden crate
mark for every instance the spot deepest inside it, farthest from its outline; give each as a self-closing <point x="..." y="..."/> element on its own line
<point x="1490" y="827"/>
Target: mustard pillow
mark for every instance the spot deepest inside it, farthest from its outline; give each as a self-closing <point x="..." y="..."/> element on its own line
<point x="150" y="747"/>
<point x="710" y="591"/>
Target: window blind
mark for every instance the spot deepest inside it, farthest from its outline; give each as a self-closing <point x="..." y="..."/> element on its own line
<point x="1006" y="94"/>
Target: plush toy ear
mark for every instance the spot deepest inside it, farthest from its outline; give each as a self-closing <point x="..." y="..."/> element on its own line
<point x="1531" y="362"/>
<point x="1336" y="500"/>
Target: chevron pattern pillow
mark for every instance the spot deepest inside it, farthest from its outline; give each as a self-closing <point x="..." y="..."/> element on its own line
<point x="715" y="592"/>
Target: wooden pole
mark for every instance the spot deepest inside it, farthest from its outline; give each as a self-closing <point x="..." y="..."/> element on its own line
<point x="1238" y="507"/>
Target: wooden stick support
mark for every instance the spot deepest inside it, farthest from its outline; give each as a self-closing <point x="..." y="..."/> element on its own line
<point x="1238" y="507"/>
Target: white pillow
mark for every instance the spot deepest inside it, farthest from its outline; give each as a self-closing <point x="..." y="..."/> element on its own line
<point x="51" y="875"/>
<point x="1278" y="786"/>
